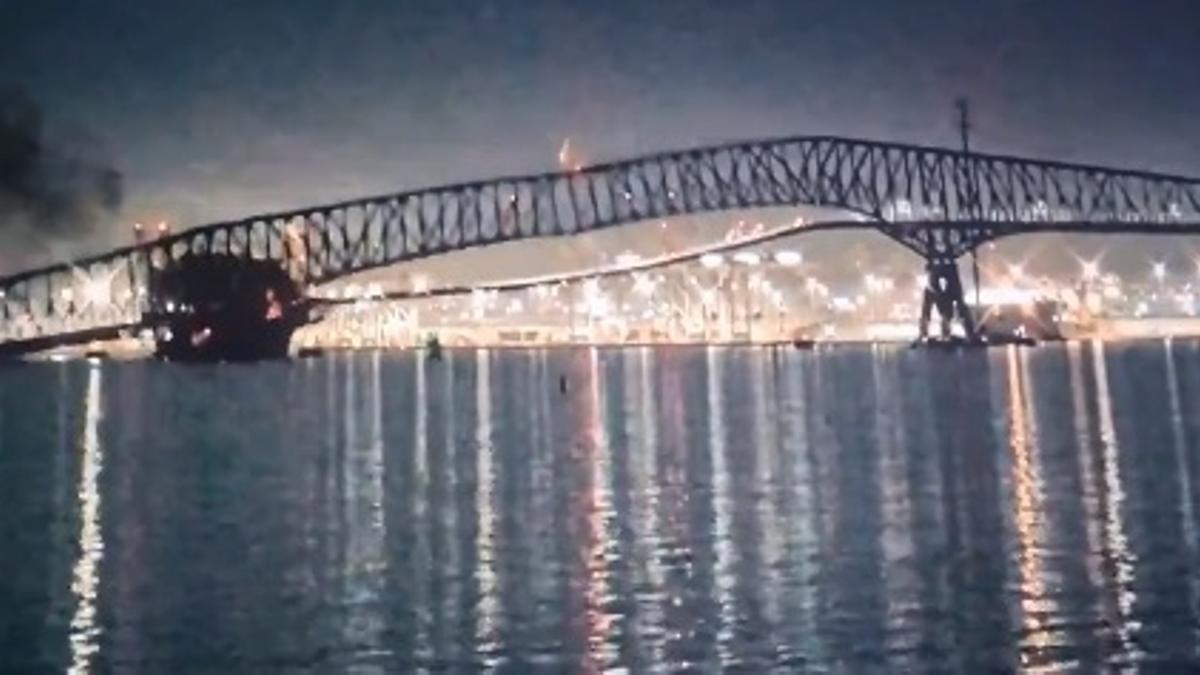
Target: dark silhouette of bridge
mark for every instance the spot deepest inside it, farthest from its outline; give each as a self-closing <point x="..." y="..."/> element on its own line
<point x="940" y="203"/>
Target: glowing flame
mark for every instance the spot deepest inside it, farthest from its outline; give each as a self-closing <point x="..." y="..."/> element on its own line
<point x="564" y="153"/>
<point x="567" y="159"/>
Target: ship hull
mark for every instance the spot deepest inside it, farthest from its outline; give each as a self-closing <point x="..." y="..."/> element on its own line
<point x="225" y="308"/>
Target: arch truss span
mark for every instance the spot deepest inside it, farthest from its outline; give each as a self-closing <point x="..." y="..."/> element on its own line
<point x="986" y="197"/>
<point x="940" y="203"/>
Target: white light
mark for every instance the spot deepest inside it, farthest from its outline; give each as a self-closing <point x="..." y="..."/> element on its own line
<point x="1160" y="270"/>
<point x="788" y="258"/>
<point x="1091" y="269"/>
<point x="599" y="305"/>
<point x="643" y="284"/>
<point x="1016" y="271"/>
<point x="479" y="298"/>
<point x="747" y="258"/>
<point x="892" y="331"/>
<point x="1007" y="295"/>
<point x="96" y="292"/>
<point x="627" y="259"/>
<point x="712" y="260"/>
<point x="419" y="283"/>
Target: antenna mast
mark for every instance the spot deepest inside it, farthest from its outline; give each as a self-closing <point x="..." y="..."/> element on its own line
<point x="964" y="122"/>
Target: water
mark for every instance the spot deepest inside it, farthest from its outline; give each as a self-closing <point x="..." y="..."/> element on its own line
<point x="845" y="510"/>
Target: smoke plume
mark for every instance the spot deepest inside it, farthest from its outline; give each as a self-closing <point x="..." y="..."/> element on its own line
<point x="54" y="188"/>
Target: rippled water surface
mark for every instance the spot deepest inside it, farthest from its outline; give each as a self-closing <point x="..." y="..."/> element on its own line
<point x="842" y="510"/>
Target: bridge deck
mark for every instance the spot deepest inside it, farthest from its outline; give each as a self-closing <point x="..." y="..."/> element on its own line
<point x="936" y="201"/>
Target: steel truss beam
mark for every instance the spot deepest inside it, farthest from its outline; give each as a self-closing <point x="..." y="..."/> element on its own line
<point x="940" y="203"/>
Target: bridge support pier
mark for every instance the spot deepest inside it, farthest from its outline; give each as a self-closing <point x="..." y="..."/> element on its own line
<point x="941" y="247"/>
<point x="944" y="291"/>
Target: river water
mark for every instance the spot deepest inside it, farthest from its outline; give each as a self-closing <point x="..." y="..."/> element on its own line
<point x="846" y="510"/>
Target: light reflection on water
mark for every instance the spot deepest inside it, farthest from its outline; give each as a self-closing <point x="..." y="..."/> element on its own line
<point x="85" y="631"/>
<point x="853" y="509"/>
<point x="1116" y="541"/>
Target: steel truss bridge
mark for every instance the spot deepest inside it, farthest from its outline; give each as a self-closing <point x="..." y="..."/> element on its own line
<point x="940" y="203"/>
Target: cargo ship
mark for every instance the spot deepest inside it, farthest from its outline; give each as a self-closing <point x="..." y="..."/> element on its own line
<point x="224" y="308"/>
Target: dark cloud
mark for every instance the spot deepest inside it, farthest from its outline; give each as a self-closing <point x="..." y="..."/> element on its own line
<point x="54" y="187"/>
<point x="222" y="109"/>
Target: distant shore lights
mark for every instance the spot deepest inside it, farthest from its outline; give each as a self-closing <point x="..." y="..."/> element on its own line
<point x="788" y="258"/>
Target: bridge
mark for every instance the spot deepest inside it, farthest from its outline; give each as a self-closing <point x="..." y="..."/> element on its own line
<point x="238" y="289"/>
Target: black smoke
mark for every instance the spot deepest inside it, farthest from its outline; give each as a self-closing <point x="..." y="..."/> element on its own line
<point x="55" y="188"/>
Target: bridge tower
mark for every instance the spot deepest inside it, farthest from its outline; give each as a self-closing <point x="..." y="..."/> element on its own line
<point x="942" y="248"/>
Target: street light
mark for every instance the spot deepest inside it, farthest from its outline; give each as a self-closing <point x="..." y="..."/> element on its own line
<point x="97" y="292"/>
<point x="627" y="259"/>
<point x="643" y="284"/>
<point x="712" y="260"/>
<point x="1160" y="271"/>
<point x="788" y="258"/>
<point x="420" y="283"/>
<point x="748" y="258"/>
<point x="869" y="282"/>
<point x="1091" y="269"/>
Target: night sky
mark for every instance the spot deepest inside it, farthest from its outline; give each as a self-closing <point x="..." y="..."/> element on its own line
<point x="213" y="110"/>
